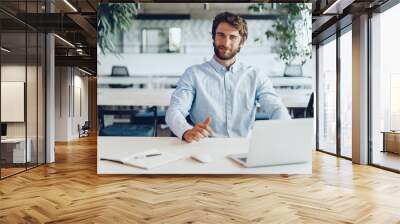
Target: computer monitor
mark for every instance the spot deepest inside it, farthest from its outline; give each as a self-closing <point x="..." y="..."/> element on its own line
<point x="3" y="129"/>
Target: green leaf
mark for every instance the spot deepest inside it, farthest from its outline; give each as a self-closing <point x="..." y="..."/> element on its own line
<point x="285" y="32"/>
<point x="113" y="18"/>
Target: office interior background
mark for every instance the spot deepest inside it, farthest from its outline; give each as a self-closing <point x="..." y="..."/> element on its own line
<point x="50" y="77"/>
<point x="151" y="54"/>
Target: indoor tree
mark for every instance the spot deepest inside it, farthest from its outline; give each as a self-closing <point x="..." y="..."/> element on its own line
<point x="292" y="24"/>
<point x="113" y="18"/>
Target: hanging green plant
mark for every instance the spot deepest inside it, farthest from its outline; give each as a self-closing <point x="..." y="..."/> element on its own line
<point x="113" y="18"/>
<point x="292" y="24"/>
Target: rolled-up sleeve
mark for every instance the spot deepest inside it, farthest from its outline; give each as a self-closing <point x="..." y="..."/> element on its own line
<point x="180" y="104"/>
<point x="269" y="100"/>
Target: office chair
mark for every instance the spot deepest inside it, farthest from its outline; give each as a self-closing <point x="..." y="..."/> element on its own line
<point x="84" y="130"/>
<point x="310" y="106"/>
<point x="138" y="125"/>
<point x="120" y="71"/>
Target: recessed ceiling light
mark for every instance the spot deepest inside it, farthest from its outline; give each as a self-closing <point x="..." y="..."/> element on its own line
<point x="337" y="7"/>
<point x="70" y="5"/>
<point x="64" y="40"/>
<point x="84" y="71"/>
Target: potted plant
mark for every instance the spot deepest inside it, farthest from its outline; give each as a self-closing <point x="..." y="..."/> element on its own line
<point x="113" y="18"/>
<point x="290" y="28"/>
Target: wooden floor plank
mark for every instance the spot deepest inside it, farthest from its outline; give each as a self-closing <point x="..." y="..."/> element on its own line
<point x="70" y="191"/>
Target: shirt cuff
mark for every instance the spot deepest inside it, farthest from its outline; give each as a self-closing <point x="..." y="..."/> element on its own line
<point x="182" y="129"/>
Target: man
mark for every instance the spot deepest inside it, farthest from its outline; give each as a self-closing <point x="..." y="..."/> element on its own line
<point x="221" y="95"/>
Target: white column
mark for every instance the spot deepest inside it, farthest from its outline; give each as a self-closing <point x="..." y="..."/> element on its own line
<point x="50" y="99"/>
<point x="50" y="92"/>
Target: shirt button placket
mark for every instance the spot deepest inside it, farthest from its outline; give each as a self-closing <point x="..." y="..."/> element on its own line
<point x="229" y="97"/>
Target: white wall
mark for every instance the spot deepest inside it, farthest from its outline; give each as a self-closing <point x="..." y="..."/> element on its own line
<point x="67" y="115"/>
<point x="15" y="72"/>
<point x="61" y="103"/>
<point x="79" y="117"/>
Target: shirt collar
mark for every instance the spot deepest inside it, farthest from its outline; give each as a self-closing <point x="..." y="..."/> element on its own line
<point x="222" y="69"/>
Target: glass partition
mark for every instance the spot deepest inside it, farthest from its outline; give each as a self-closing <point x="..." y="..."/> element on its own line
<point x="22" y="89"/>
<point x="14" y="153"/>
<point x="41" y="96"/>
<point x="31" y="100"/>
<point x="327" y="97"/>
<point x="385" y="89"/>
<point x="346" y="94"/>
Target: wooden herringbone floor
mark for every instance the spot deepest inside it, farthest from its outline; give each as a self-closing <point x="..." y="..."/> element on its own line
<point x="70" y="191"/>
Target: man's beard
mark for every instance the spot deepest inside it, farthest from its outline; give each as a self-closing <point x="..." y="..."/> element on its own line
<point x="226" y="55"/>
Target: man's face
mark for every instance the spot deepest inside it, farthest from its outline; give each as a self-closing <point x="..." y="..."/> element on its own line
<point x="227" y="41"/>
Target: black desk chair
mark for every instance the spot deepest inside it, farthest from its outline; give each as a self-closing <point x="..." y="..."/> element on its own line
<point x="84" y="130"/>
<point x="120" y="71"/>
<point x="138" y="124"/>
<point x="310" y="107"/>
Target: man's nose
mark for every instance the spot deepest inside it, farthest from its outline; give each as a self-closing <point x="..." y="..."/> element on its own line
<point x="226" y="42"/>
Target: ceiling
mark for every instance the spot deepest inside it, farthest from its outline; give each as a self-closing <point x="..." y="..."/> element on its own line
<point x="75" y="20"/>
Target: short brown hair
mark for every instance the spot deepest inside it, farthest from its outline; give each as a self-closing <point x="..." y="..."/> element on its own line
<point x="234" y="20"/>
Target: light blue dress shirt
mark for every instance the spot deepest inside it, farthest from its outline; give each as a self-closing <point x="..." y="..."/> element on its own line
<point x="229" y="97"/>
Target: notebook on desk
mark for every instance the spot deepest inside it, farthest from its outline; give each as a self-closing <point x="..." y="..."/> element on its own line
<point x="145" y="160"/>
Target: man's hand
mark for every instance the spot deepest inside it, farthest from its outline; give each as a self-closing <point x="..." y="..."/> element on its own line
<point x="199" y="131"/>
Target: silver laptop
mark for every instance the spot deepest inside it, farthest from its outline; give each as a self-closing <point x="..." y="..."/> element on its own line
<point x="278" y="142"/>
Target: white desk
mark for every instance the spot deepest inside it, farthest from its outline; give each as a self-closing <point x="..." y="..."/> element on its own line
<point x="162" y="97"/>
<point x="149" y="80"/>
<point x="218" y="148"/>
<point x="133" y="97"/>
<point x="18" y="153"/>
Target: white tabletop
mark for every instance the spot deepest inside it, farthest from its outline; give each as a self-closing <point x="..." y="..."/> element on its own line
<point x="133" y="97"/>
<point x="105" y="80"/>
<point x="13" y="140"/>
<point x="218" y="148"/>
<point x="160" y="97"/>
